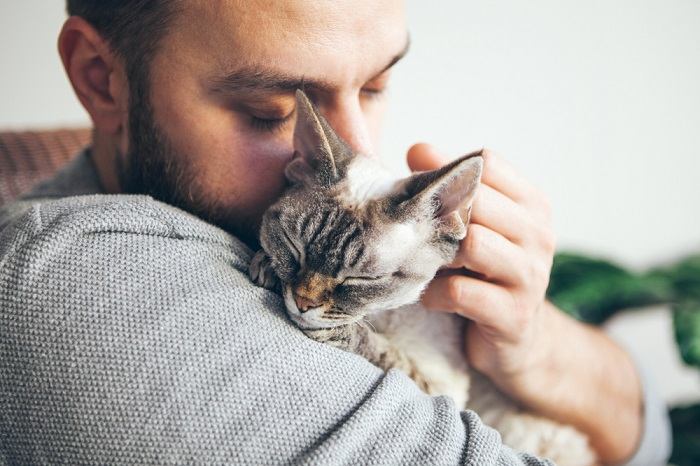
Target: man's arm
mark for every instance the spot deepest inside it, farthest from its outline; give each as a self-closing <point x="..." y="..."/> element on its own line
<point x="130" y="333"/>
<point x="552" y="364"/>
<point x="581" y="377"/>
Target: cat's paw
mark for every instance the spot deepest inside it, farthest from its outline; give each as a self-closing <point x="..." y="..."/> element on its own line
<point x="563" y="444"/>
<point x="420" y="379"/>
<point x="261" y="272"/>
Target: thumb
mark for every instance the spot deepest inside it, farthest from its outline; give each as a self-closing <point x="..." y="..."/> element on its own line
<point x="422" y="157"/>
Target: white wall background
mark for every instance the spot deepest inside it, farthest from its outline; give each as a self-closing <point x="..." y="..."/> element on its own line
<point x="597" y="102"/>
<point x="34" y="91"/>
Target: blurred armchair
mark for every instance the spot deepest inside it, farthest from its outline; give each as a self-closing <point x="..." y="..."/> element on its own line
<point x="27" y="157"/>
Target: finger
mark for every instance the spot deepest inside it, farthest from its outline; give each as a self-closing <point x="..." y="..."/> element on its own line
<point x="492" y="256"/>
<point x="500" y="175"/>
<point x="501" y="214"/>
<point x="423" y="157"/>
<point x="497" y="173"/>
<point x="483" y="302"/>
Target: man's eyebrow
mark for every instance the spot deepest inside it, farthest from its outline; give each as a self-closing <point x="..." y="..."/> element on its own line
<point x="398" y="56"/>
<point x="263" y="79"/>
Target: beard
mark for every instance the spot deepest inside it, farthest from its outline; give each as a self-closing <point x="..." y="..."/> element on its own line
<point x="153" y="167"/>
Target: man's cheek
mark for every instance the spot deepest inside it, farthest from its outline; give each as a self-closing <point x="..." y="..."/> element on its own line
<point x="271" y="153"/>
<point x="248" y="171"/>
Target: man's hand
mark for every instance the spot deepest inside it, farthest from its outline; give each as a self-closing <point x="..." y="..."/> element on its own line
<point x="510" y="246"/>
<point x="550" y="363"/>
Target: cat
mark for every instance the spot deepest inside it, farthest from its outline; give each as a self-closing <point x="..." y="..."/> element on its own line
<point x="351" y="248"/>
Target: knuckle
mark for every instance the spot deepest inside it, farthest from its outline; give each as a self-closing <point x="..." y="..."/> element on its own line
<point x="523" y="277"/>
<point x="521" y="317"/>
<point x="552" y="242"/>
<point x="455" y="289"/>
<point x="543" y="238"/>
<point x="474" y="239"/>
<point x="540" y="204"/>
<point x="545" y="204"/>
<point x="539" y="272"/>
<point x="549" y="241"/>
<point x="521" y="322"/>
<point x="478" y="201"/>
<point x="487" y="155"/>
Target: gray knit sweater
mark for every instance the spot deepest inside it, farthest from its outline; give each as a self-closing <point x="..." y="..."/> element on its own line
<point x="130" y="333"/>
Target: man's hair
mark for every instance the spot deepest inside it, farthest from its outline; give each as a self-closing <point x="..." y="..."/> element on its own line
<point x="132" y="28"/>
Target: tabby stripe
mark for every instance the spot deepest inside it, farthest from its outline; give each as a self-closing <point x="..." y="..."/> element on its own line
<point x="319" y="227"/>
<point x="349" y="238"/>
<point x="304" y="223"/>
<point x="359" y="252"/>
<point x="328" y="229"/>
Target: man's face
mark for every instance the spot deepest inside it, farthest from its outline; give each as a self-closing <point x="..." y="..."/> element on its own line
<point x="222" y="88"/>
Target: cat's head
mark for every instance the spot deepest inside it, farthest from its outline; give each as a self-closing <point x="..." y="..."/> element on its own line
<point x="346" y="241"/>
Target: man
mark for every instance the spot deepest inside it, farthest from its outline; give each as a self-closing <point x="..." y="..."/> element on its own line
<point x="129" y="329"/>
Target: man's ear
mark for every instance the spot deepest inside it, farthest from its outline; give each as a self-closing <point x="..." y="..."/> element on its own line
<point x="96" y="74"/>
<point x="446" y="194"/>
<point x="317" y="147"/>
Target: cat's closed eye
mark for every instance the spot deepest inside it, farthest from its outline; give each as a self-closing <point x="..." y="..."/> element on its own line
<point x="360" y="280"/>
<point x="296" y="251"/>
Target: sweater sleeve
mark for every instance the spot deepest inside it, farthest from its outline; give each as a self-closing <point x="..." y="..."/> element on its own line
<point x="654" y="447"/>
<point x="130" y="333"/>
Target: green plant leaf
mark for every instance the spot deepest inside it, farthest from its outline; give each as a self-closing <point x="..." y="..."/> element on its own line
<point x="686" y="435"/>
<point x="686" y="323"/>
<point x="592" y="290"/>
<point x="684" y="277"/>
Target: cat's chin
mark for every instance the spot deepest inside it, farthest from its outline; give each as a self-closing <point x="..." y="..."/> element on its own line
<point x="305" y="324"/>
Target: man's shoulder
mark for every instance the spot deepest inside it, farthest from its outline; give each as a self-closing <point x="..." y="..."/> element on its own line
<point x="122" y="250"/>
<point x="52" y="220"/>
<point x="126" y="256"/>
<point x="97" y="213"/>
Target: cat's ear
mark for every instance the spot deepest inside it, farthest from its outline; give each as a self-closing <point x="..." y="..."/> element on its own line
<point x="316" y="147"/>
<point x="446" y="194"/>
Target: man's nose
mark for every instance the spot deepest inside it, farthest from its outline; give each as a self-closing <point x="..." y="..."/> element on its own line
<point x="349" y="122"/>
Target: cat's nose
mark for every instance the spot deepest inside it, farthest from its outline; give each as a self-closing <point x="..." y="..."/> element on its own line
<point x="304" y="304"/>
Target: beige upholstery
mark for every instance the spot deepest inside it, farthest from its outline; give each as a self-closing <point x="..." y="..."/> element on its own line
<point x="28" y="157"/>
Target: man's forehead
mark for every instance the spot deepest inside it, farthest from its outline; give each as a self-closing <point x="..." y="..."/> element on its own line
<point x="360" y="16"/>
<point x="325" y="40"/>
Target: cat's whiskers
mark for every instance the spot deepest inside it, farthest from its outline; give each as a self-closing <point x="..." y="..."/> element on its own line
<point x="366" y="320"/>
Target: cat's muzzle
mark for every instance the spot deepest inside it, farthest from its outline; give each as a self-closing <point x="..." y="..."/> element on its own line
<point x="312" y="316"/>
